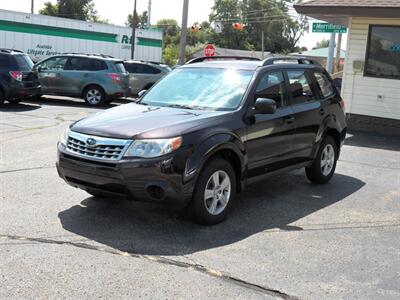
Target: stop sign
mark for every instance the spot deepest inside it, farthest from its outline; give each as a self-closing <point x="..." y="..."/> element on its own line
<point x="209" y="50"/>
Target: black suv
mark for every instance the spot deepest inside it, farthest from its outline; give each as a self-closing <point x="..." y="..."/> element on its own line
<point x="17" y="80"/>
<point x="205" y="130"/>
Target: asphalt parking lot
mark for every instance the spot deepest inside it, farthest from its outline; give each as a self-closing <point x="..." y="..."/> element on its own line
<point x="286" y="238"/>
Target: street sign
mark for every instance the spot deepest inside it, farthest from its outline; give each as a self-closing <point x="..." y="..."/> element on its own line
<point x="328" y="28"/>
<point x="209" y="50"/>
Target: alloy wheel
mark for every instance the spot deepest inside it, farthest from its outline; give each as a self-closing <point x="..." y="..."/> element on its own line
<point x="93" y="96"/>
<point x="217" y="193"/>
<point x="327" y="159"/>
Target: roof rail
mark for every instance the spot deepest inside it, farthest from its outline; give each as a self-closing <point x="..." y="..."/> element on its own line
<point x="89" y="54"/>
<point x="7" y="50"/>
<point x="208" y="58"/>
<point x="300" y="60"/>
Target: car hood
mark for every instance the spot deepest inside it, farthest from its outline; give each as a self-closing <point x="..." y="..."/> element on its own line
<point x="134" y="120"/>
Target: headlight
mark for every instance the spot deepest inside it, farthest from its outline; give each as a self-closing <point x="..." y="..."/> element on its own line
<point x="153" y="148"/>
<point x="64" y="137"/>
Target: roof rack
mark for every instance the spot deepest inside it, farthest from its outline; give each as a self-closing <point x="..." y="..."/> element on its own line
<point x="6" y="50"/>
<point x="89" y="54"/>
<point x="300" y="60"/>
<point x="208" y="58"/>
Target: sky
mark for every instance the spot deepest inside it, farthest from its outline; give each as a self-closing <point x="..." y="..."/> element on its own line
<point x="116" y="12"/>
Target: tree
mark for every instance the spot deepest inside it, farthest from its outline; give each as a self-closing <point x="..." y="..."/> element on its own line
<point x="141" y="20"/>
<point x="281" y="31"/>
<point x="322" y="44"/>
<point x="72" y="9"/>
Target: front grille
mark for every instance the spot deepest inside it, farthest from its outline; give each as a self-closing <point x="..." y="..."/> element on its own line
<point x="102" y="149"/>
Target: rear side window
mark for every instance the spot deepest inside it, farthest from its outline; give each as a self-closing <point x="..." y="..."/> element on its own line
<point x="120" y="67"/>
<point x="300" y="87"/>
<point x="4" y="62"/>
<point x="150" y="70"/>
<point x="324" y="85"/>
<point x="78" y="64"/>
<point x="98" y="65"/>
<point x="272" y="86"/>
<point x="24" y="62"/>
<point x="133" y="68"/>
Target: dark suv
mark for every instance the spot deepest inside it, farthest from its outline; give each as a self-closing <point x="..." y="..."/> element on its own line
<point x="205" y="130"/>
<point x="17" y="80"/>
<point x="98" y="79"/>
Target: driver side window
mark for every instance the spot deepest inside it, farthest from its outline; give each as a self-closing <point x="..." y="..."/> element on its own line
<point x="272" y="86"/>
<point x="54" y="64"/>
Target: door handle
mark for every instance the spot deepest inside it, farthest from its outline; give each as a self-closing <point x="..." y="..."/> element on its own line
<point x="322" y="111"/>
<point x="289" y="119"/>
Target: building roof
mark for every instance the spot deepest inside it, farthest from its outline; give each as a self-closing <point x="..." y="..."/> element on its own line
<point x="320" y="52"/>
<point x="339" y="11"/>
<point x="352" y="3"/>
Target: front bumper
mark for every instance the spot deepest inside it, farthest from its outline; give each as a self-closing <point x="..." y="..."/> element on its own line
<point x="156" y="180"/>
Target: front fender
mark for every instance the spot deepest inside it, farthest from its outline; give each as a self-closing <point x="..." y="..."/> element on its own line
<point x="209" y="147"/>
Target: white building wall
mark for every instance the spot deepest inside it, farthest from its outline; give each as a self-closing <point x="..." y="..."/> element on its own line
<point x="361" y="93"/>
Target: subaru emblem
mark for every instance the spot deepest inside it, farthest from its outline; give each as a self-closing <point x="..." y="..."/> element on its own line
<point x="91" y="142"/>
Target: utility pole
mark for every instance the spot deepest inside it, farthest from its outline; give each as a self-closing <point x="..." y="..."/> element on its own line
<point x="133" y="38"/>
<point x="32" y="7"/>
<point x="262" y="44"/>
<point x="149" y="15"/>
<point x="330" y="60"/>
<point x="185" y="12"/>
<point x="338" y="46"/>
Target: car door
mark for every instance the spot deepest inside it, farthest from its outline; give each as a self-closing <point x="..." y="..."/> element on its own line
<point x="77" y="74"/>
<point x="49" y="73"/>
<point x="307" y="110"/>
<point x="269" y="136"/>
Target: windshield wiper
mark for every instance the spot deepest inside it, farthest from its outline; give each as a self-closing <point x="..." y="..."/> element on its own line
<point x="181" y="106"/>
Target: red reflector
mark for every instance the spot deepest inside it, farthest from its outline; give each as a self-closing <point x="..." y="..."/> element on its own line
<point x="116" y="78"/>
<point x="17" y="75"/>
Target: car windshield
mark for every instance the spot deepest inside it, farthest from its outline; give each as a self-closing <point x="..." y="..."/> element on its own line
<point x="200" y="88"/>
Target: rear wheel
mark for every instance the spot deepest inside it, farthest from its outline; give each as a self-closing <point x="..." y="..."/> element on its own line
<point x="14" y="101"/>
<point x="1" y="97"/>
<point x="94" y="95"/>
<point x="321" y="171"/>
<point x="214" y="193"/>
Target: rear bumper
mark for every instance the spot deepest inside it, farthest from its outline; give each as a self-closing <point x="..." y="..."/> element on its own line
<point x="20" y="91"/>
<point x="156" y="180"/>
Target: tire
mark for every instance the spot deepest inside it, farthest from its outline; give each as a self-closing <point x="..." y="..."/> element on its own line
<point x="324" y="165"/>
<point x="2" y="98"/>
<point x="14" y="101"/>
<point x="212" y="209"/>
<point x="94" y="96"/>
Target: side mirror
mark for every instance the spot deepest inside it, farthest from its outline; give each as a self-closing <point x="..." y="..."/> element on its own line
<point x="265" y="106"/>
<point x="141" y="93"/>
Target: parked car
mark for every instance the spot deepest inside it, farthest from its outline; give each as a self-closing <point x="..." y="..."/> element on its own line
<point x="97" y="79"/>
<point x="206" y="130"/>
<point x="17" y="80"/>
<point x="143" y="75"/>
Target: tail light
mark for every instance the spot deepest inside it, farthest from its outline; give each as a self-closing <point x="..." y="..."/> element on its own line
<point x="341" y="103"/>
<point x="17" y="75"/>
<point x="116" y="78"/>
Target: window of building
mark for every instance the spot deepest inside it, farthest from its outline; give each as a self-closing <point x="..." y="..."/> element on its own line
<point x="383" y="52"/>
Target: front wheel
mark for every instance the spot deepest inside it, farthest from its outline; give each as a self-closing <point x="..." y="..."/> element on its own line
<point x="324" y="165"/>
<point x="94" y="96"/>
<point x="214" y="193"/>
